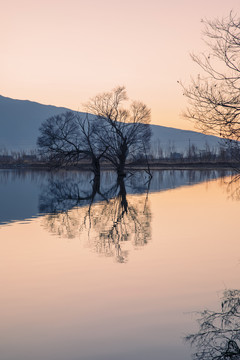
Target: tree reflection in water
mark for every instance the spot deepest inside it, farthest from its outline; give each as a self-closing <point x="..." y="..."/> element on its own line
<point x="105" y="213"/>
<point x="218" y="337"/>
<point x="233" y="187"/>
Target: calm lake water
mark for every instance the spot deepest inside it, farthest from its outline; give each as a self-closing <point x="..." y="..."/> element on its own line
<point x="116" y="270"/>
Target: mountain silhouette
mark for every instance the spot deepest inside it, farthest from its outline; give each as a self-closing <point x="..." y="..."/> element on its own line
<point x="20" y="121"/>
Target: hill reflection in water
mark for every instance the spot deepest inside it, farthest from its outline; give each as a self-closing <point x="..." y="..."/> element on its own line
<point x="111" y="270"/>
<point x="109" y="212"/>
<point x="23" y="192"/>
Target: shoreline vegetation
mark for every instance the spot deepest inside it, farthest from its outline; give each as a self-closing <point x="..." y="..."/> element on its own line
<point x="165" y="164"/>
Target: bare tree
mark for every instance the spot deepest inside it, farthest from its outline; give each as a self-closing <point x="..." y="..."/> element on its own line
<point x="67" y="138"/>
<point x="125" y="132"/>
<point x="214" y="96"/>
<point x="218" y="337"/>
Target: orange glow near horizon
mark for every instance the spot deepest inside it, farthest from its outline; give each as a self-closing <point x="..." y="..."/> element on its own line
<point x="64" y="52"/>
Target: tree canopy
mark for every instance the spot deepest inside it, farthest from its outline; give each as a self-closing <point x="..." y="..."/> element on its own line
<point x="115" y="133"/>
<point x="214" y="96"/>
<point x="124" y="131"/>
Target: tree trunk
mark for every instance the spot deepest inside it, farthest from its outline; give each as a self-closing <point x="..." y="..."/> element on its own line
<point x="96" y="167"/>
<point x="96" y="186"/>
<point x="123" y="194"/>
<point x="122" y="160"/>
<point x="120" y="169"/>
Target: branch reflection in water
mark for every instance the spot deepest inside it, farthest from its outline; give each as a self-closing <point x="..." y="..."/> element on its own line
<point x="233" y="187"/>
<point x="103" y="211"/>
<point x="218" y="337"/>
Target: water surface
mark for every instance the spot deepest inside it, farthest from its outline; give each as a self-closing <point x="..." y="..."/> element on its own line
<point x="116" y="271"/>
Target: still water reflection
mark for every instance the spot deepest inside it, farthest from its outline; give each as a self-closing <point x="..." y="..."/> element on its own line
<point x="218" y="336"/>
<point x="61" y="300"/>
<point x="107" y="224"/>
<point x="24" y="194"/>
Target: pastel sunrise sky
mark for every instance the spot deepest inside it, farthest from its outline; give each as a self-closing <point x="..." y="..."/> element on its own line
<point x="63" y="52"/>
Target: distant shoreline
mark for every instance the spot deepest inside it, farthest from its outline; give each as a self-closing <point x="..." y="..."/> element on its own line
<point x="153" y="165"/>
